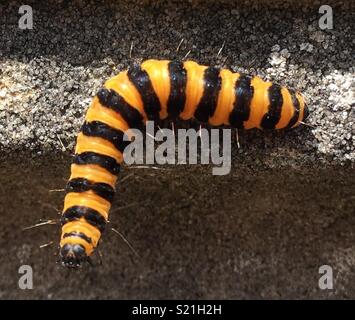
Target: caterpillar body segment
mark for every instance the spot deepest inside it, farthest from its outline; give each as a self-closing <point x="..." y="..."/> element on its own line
<point x="155" y="90"/>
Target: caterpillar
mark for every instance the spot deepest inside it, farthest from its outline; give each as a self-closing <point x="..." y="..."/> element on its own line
<point x="156" y="90"/>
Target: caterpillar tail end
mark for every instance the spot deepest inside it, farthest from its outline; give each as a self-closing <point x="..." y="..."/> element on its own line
<point x="72" y="255"/>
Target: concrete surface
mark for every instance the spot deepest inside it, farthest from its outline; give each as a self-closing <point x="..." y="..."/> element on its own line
<point x="256" y="233"/>
<point x="261" y="232"/>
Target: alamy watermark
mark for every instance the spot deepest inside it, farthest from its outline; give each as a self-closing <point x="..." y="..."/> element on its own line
<point x="26" y="20"/>
<point x="325" y="282"/>
<point x="26" y="279"/>
<point x="326" y="20"/>
<point x="170" y="152"/>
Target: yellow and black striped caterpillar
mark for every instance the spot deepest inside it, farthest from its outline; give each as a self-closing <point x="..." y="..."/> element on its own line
<point x="155" y="90"/>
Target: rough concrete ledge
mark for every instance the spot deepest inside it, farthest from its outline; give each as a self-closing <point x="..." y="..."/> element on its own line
<point x="48" y="75"/>
<point x="254" y="233"/>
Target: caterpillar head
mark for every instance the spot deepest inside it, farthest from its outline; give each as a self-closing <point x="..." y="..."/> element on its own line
<point x="72" y="255"/>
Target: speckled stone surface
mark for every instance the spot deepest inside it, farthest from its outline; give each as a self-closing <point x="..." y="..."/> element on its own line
<point x="48" y="75"/>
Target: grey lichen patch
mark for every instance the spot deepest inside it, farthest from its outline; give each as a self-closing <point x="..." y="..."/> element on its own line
<point x="14" y="89"/>
<point x="15" y="94"/>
